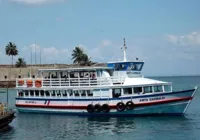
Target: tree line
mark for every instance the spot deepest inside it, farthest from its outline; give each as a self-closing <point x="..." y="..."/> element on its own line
<point x="78" y="56"/>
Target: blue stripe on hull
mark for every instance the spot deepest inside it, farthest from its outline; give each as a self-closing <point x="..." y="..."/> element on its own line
<point x="164" y="109"/>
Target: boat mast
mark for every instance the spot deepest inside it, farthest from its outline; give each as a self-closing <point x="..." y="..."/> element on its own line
<point x="124" y="49"/>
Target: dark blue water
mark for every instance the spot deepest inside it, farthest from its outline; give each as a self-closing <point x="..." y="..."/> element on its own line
<point x="62" y="127"/>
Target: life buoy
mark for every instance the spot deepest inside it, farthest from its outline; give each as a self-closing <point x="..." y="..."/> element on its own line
<point x="97" y="108"/>
<point x="90" y="108"/>
<point x="129" y="105"/>
<point x="20" y="82"/>
<point x="105" y="108"/>
<point x="29" y="83"/>
<point x="120" y="106"/>
<point x="38" y="83"/>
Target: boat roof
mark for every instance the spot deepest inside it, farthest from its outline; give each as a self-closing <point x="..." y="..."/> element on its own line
<point x="75" y="69"/>
<point x="143" y="81"/>
<point x="128" y="61"/>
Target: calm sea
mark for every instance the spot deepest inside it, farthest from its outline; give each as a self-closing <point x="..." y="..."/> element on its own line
<point x="63" y="127"/>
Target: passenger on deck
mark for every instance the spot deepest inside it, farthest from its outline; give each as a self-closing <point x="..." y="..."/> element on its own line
<point x="93" y="76"/>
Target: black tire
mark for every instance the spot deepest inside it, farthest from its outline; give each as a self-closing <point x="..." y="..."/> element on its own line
<point x="90" y="108"/>
<point x="97" y="108"/>
<point x="105" y="108"/>
<point x="129" y="105"/>
<point x="120" y="106"/>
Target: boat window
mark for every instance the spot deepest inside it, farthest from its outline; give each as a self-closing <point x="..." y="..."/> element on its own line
<point x="116" y="92"/>
<point x="31" y="93"/>
<point x="58" y="93"/>
<point x="158" y="89"/>
<point x="167" y="88"/>
<point x="36" y="93"/>
<point x="70" y="92"/>
<point x="76" y="93"/>
<point x="90" y="93"/>
<point x="137" y="89"/>
<point x="47" y="93"/>
<point x="127" y="90"/>
<point x="64" y="93"/>
<point x="127" y="66"/>
<point x="83" y="93"/>
<point x="26" y="93"/>
<point x="42" y="92"/>
<point x="148" y="89"/>
<point x="53" y="93"/>
<point x="21" y="93"/>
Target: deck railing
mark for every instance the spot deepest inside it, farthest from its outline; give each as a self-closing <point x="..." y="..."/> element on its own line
<point x="68" y="82"/>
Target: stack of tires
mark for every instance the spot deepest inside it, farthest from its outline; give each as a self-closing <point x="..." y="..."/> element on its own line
<point x="98" y="108"/>
<point x="122" y="107"/>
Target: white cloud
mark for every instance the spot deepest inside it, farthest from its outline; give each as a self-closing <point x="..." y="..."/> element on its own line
<point x="48" y="54"/>
<point x="35" y="47"/>
<point x="189" y="39"/>
<point x="33" y="2"/>
<point x="105" y="43"/>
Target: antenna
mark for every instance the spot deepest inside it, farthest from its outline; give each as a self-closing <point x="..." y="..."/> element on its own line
<point x="35" y="54"/>
<point x="40" y="55"/>
<point x="124" y="49"/>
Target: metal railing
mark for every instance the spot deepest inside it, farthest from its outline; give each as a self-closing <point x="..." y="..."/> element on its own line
<point x="68" y="82"/>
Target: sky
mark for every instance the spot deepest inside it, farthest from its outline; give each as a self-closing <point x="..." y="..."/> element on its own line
<point x="163" y="33"/>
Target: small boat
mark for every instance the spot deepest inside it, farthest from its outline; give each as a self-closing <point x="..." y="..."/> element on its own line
<point x="6" y="116"/>
<point x="117" y="89"/>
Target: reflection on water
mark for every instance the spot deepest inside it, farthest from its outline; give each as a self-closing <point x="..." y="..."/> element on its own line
<point x="63" y="126"/>
<point x="53" y="127"/>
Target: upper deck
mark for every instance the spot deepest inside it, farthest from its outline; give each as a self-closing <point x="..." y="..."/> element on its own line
<point x="84" y="78"/>
<point x="118" y="73"/>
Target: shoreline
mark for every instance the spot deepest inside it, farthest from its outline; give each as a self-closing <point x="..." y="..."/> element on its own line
<point x="7" y="84"/>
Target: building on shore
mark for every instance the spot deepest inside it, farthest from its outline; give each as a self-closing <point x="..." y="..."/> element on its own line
<point x="8" y="74"/>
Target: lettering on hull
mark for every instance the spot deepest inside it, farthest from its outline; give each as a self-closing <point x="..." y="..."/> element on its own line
<point x="30" y="102"/>
<point x="151" y="99"/>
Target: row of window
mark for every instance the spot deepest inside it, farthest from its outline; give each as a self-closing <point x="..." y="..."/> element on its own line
<point x="89" y="93"/>
<point x="146" y="89"/>
<point x="57" y="93"/>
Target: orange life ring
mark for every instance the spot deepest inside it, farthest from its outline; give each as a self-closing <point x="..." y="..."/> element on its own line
<point x="29" y="83"/>
<point x="38" y="83"/>
<point x="20" y="82"/>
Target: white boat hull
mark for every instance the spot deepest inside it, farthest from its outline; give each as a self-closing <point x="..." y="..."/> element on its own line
<point x="175" y="103"/>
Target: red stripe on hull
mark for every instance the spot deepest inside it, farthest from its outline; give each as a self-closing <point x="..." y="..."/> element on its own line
<point x="112" y="106"/>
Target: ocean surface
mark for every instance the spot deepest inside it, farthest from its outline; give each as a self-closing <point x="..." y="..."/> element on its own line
<point x="63" y="127"/>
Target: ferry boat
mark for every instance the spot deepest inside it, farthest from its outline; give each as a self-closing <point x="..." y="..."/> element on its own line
<point x="117" y="89"/>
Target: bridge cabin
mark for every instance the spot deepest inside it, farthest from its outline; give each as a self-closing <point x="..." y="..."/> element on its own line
<point x="126" y="68"/>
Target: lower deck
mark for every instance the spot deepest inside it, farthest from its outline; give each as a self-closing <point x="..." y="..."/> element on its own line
<point x="88" y="93"/>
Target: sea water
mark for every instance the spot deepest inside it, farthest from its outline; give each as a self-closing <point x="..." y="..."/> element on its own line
<point x="63" y="127"/>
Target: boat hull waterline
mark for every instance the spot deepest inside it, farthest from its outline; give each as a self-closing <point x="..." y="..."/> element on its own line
<point x="173" y="103"/>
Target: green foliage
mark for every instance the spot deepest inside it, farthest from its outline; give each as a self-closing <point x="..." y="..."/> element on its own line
<point x="80" y="57"/>
<point x="11" y="49"/>
<point x="20" y="63"/>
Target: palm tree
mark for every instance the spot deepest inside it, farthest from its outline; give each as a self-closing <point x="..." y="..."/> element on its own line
<point x="80" y="57"/>
<point x="86" y="60"/>
<point x="11" y="49"/>
<point x="20" y="63"/>
<point x="77" y="55"/>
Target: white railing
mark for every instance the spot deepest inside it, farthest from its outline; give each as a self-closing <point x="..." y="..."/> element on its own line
<point x="68" y="82"/>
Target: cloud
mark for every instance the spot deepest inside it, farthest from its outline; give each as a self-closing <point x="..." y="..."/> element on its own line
<point x="48" y="54"/>
<point x="188" y="39"/>
<point x="59" y="19"/>
<point x="35" y="2"/>
<point x="106" y="43"/>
